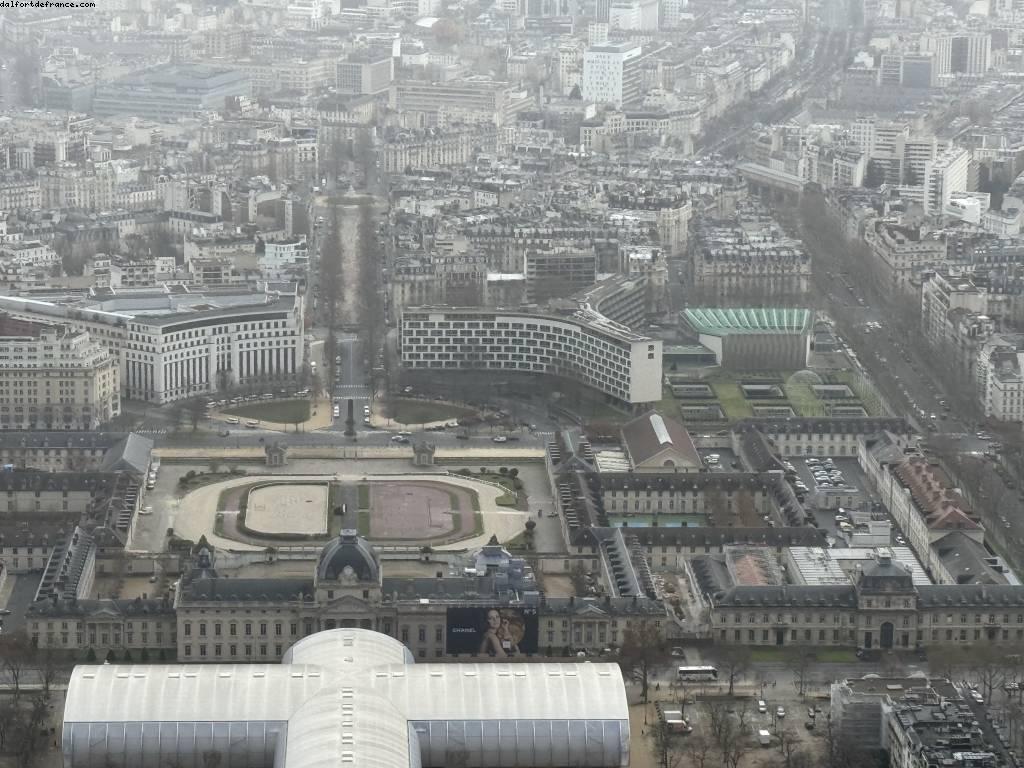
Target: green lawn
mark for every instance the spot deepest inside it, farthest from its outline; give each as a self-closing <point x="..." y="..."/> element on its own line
<point x="406" y="411"/>
<point x="803" y="400"/>
<point x="278" y="411"/>
<point x="823" y="655"/>
<point x="730" y="397"/>
<point x="668" y="405"/>
<point x="364" y="496"/>
<point x="513" y="497"/>
<point x="862" y="389"/>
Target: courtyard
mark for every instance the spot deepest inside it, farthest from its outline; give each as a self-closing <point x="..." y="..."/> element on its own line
<point x="728" y="396"/>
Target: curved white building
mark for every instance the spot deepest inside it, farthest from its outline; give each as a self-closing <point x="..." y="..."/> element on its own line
<point x="583" y="345"/>
<point x="347" y="696"/>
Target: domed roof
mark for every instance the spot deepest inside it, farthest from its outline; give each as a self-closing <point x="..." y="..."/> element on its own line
<point x="348" y="556"/>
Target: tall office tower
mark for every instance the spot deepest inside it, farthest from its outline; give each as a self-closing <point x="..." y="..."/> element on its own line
<point x="604" y="71"/>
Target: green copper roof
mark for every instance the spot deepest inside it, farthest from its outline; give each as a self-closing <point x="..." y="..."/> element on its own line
<point x="720" y="322"/>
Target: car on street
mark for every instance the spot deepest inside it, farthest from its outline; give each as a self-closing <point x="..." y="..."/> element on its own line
<point x="780" y="711"/>
<point x="499" y="439"/>
<point x="224" y="433"/>
<point x="399" y="439"/>
<point x="762" y="707"/>
<point x="146" y="510"/>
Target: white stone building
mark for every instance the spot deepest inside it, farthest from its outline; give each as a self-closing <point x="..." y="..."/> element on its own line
<point x="55" y="377"/>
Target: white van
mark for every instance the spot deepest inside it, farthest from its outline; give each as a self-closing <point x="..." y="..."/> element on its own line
<point x="232" y="420"/>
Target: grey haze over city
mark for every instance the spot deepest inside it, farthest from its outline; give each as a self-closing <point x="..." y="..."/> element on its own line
<point x="512" y="384"/>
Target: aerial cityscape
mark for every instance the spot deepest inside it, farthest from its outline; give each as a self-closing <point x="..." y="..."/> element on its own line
<point x="512" y="383"/>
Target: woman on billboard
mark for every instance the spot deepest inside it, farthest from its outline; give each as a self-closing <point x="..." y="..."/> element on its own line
<point x="502" y="633"/>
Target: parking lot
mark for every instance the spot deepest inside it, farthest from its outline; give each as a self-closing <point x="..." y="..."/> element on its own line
<point x="727" y="461"/>
<point x="853" y="477"/>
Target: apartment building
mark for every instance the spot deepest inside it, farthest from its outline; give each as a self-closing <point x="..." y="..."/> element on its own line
<point x="478" y="100"/>
<point x="666" y="209"/>
<point x="68" y="185"/>
<point x="558" y="271"/>
<point x="607" y="73"/>
<point x="581" y="345"/>
<point x="900" y="253"/>
<point x="304" y="77"/>
<point x="175" y="344"/>
<point x="19" y="193"/>
<point x="366" y="72"/>
<point x="946" y="174"/>
<point x="282" y="259"/>
<point x="1000" y="376"/>
<point x="435" y="148"/>
<point x="55" y="377"/>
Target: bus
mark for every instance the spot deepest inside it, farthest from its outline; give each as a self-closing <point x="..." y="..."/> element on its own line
<point x="697" y="673"/>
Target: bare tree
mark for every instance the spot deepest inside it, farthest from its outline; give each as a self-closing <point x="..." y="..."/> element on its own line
<point x="988" y="668"/>
<point x="698" y="750"/>
<point x="728" y="728"/>
<point x="371" y="309"/>
<point x="330" y="267"/>
<point x="946" y="660"/>
<point x="791" y="753"/>
<point x="16" y="657"/>
<point x="800" y="660"/>
<point x="196" y="409"/>
<point x="665" y="746"/>
<point x="25" y="738"/>
<point x="643" y="648"/>
<point x="50" y="668"/>
<point x="733" y="662"/>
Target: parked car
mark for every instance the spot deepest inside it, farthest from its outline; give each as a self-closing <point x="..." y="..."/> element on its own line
<point x="780" y="711"/>
<point x="499" y="439"/>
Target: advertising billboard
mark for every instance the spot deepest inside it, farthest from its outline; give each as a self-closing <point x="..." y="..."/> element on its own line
<point x="499" y="632"/>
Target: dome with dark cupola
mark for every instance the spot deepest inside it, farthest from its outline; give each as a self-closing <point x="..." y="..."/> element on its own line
<point x="348" y="558"/>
